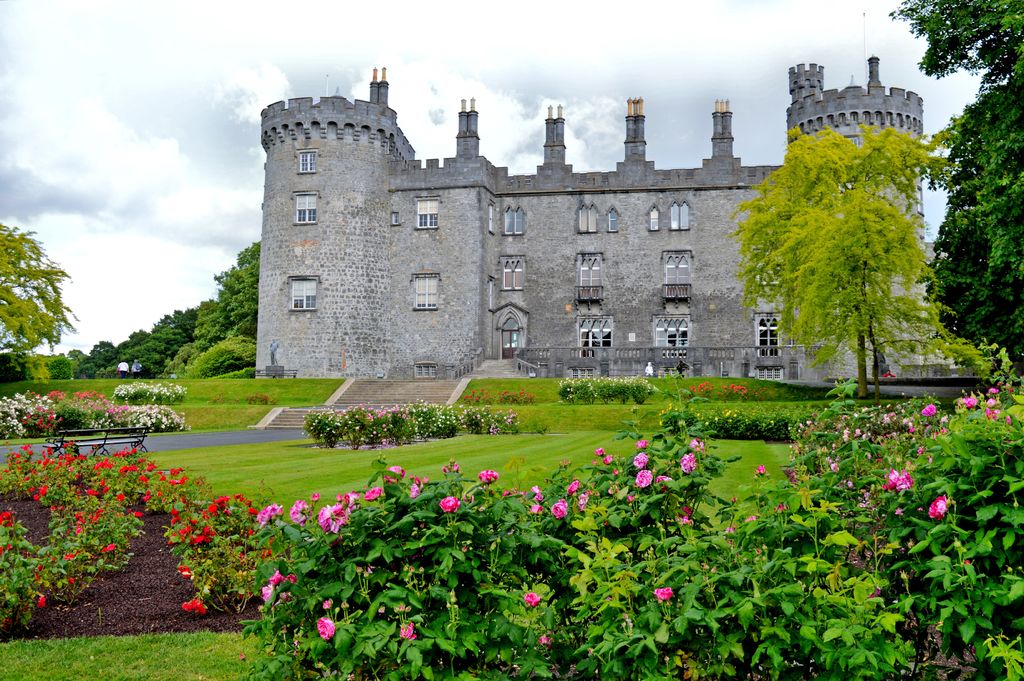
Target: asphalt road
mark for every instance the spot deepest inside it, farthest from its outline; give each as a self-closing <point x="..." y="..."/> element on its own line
<point x="167" y="442"/>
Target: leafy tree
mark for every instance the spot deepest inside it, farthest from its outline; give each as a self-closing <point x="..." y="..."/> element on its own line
<point x="234" y="312"/>
<point x="155" y="349"/>
<point x="101" y="362"/>
<point x="833" y="239"/>
<point x="31" y="309"/>
<point x="979" y="265"/>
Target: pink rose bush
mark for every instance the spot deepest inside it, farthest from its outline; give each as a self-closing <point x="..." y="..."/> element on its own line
<point x="450" y="504"/>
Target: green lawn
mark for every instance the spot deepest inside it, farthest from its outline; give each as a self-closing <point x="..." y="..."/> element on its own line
<point x="283" y="472"/>
<point x="154" y="657"/>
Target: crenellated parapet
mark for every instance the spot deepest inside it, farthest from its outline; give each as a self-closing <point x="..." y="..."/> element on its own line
<point x="845" y="110"/>
<point x="335" y="118"/>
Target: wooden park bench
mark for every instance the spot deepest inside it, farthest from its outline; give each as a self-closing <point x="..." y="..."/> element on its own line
<point x="277" y="373"/>
<point x="97" y="440"/>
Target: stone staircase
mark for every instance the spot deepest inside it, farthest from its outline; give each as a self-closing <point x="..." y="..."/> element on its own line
<point x="373" y="393"/>
<point x="496" y="368"/>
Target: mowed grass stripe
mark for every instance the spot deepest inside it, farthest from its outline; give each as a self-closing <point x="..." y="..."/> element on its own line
<point x="285" y="471"/>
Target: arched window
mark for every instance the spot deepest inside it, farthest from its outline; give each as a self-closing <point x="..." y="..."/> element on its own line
<point x="653" y="224"/>
<point x="514" y="220"/>
<point x="671" y="332"/>
<point x="768" y="336"/>
<point x="677" y="269"/>
<point x="680" y="216"/>
<point x="613" y="220"/>
<point x="587" y="219"/>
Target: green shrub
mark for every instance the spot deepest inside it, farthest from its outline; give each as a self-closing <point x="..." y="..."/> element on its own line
<point x="241" y="373"/>
<point x="230" y="354"/>
<point x="60" y="368"/>
<point x="621" y="389"/>
<point x="12" y="367"/>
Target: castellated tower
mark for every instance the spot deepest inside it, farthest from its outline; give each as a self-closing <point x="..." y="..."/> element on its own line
<point x="324" y="267"/>
<point x="813" y="108"/>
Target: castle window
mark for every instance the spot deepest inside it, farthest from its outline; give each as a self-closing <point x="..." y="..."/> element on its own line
<point x="671" y="332"/>
<point x="512" y="274"/>
<point x="307" y="161"/>
<point x="595" y="332"/>
<point x="426" y="213"/>
<point x="395" y="218"/>
<point x="613" y="220"/>
<point x="426" y="291"/>
<point x="680" y="216"/>
<point x="490" y="218"/>
<point x="590" y="269"/>
<point x="303" y="294"/>
<point x="425" y="370"/>
<point x="654" y="219"/>
<point x="769" y="373"/>
<point x="581" y="372"/>
<point x="514" y="221"/>
<point x="587" y="219"/>
<point x="677" y="268"/>
<point x="305" y="208"/>
<point x="767" y="336"/>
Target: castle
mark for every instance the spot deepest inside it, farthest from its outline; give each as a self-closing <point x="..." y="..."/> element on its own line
<point x="374" y="264"/>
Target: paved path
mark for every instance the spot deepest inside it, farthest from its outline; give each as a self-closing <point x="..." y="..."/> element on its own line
<point x="171" y="441"/>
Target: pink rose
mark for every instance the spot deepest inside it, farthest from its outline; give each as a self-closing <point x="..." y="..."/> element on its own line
<point x="488" y="476"/>
<point x="298" y="512"/>
<point x="599" y="451"/>
<point x="536" y="508"/>
<point x="929" y="410"/>
<point x="664" y="593"/>
<point x="760" y="470"/>
<point x="644" y="478"/>
<point x="688" y="463"/>
<point x="640" y="460"/>
<point x="326" y="628"/>
<point x="970" y="402"/>
<point x="608" y="460"/>
<point x="408" y="632"/>
<point x="450" y="504"/>
<point x="275" y="578"/>
<point x="373" y="493"/>
<point x="560" y="508"/>
<point x="938" y="508"/>
<point x="581" y="502"/>
<point x="573" y="487"/>
<point x="531" y="599"/>
<point x="641" y="444"/>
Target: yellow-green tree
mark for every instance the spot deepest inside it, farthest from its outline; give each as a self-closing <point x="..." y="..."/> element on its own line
<point x="31" y="309"/>
<point x="833" y="240"/>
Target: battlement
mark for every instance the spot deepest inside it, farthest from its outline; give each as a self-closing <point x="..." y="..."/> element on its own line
<point x="815" y="109"/>
<point x="335" y="118"/>
<point x="804" y="80"/>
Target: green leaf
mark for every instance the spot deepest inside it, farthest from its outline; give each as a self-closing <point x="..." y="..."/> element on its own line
<point x="745" y="613"/>
<point x="966" y="630"/>
<point x="920" y="546"/>
<point x="661" y="635"/>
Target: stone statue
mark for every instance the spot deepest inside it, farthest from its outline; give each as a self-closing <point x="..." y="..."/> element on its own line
<point x="274" y="346"/>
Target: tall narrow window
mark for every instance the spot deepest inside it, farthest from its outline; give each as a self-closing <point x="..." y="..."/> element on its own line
<point x="613" y="220"/>
<point x="426" y="213"/>
<point x="595" y="332"/>
<point x="653" y="224"/>
<point x="303" y="294"/>
<point x="305" y="208"/>
<point x="680" y="216"/>
<point x="677" y="268"/>
<point x="587" y="219"/>
<point x="590" y="270"/>
<point x="671" y="332"/>
<point x="514" y="221"/>
<point x="512" y="274"/>
<point x="307" y="161"/>
<point x="490" y="218"/>
<point x="768" y="337"/>
<point x="426" y="291"/>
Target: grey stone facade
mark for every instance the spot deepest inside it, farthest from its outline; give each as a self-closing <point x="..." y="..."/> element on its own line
<point x="407" y="269"/>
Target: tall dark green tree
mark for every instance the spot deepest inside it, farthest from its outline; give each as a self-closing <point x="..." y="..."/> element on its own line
<point x="234" y="311"/>
<point x="979" y="264"/>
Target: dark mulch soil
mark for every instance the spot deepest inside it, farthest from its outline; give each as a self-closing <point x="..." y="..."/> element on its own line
<point x="145" y="597"/>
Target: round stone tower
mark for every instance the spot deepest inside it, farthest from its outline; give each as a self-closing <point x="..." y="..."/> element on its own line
<point x="324" y="267"/>
<point x="813" y="108"/>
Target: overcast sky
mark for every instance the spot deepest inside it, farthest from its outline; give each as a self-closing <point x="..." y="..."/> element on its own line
<point x="129" y="131"/>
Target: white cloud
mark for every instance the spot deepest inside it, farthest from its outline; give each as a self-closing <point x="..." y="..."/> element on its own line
<point x="248" y="90"/>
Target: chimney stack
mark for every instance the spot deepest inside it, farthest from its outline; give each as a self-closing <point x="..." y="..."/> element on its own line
<point x="721" y="135"/>
<point x="554" y="138"/>
<point x="467" y="142"/>
<point x="636" y="145"/>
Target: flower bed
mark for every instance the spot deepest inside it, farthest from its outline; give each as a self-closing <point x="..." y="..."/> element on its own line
<point x="373" y="427"/>
<point x="619" y="389"/>
<point x="139" y="392"/>
<point x="28" y="415"/>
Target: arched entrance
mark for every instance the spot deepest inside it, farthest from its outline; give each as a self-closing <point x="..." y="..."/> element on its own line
<point x="511" y="337"/>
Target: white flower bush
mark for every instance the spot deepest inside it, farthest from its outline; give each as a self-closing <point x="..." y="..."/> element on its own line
<point x="157" y="418"/>
<point x="138" y="392"/>
<point x="20" y="408"/>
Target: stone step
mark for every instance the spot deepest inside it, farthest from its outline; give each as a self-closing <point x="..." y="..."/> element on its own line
<point x="497" y="368"/>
